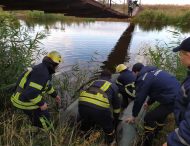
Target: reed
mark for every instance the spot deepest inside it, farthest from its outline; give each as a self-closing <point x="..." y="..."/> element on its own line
<point x="163" y="15"/>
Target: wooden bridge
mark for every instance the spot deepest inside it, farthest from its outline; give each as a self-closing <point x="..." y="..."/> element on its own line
<point x="80" y="8"/>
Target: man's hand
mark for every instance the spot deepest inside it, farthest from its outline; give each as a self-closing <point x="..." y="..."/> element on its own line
<point x="165" y="144"/>
<point x="146" y="106"/>
<point x="44" y="107"/>
<point x="58" y="100"/>
<point x="130" y="120"/>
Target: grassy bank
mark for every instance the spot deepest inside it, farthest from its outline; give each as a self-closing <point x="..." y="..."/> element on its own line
<point x="162" y="15"/>
<point x="50" y="16"/>
<point x="16" y="131"/>
<point x="15" y="128"/>
<point x="33" y="18"/>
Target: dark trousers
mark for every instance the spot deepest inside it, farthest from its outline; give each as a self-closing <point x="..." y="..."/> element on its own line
<point x="39" y="118"/>
<point x="154" y="122"/>
<point x="130" y="11"/>
<point x="103" y="118"/>
<point x="125" y="99"/>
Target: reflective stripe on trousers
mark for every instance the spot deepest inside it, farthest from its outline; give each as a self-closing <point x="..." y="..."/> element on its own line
<point x="46" y="124"/>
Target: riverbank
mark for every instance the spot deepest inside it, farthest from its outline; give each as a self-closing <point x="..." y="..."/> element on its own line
<point x="161" y="15"/>
<point x="40" y="15"/>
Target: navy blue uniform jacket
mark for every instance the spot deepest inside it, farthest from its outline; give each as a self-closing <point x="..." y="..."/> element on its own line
<point x="181" y="135"/>
<point x="157" y="84"/>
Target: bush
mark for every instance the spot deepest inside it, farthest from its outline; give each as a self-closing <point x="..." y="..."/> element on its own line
<point x="17" y="50"/>
<point x="158" y="18"/>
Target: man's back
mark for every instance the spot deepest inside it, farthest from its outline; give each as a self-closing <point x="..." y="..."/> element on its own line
<point x="158" y="84"/>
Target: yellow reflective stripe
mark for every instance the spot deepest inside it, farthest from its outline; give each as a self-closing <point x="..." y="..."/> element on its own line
<point x="159" y="124"/>
<point x="33" y="101"/>
<point x="46" y="124"/>
<point x="51" y="90"/>
<point x="15" y="98"/>
<point x="46" y="87"/>
<point x="36" y="86"/>
<point x="117" y="82"/>
<point x="24" y="78"/>
<point x="18" y="105"/>
<point x="128" y="92"/>
<point x="25" y="105"/>
<point x="94" y="101"/>
<point x="117" y="110"/>
<point x="149" y="128"/>
<point x="105" y="86"/>
<point x="43" y="92"/>
<point x="37" y="99"/>
<point x="42" y="120"/>
<point x="97" y="96"/>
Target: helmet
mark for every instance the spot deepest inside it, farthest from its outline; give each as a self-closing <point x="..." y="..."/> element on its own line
<point x="55" y="56"/>
<point x="120" y="68"/>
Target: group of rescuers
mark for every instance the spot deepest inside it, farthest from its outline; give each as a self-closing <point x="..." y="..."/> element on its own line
<point x="99" y="103"/>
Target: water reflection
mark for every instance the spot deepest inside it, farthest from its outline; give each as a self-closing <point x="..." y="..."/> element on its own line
<point x="53" y="23"/>
<point x="119" y="54"/>
<point x="78" y="41"/>
<point x="160" y="26"/>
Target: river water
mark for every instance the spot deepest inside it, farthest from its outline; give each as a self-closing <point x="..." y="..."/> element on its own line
<point x="108" y="43"/>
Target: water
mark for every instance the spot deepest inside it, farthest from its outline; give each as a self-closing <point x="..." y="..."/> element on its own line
<point x="110" y="43"/>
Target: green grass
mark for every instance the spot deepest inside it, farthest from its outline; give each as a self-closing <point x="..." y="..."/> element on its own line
<point x="15" y="126"/>
<point x="41" y="16"/>
<point x="160" y="16"/>
<point x="33" y="18"/>
<point x="164" y="58"/>
<point x="51" y="16"/>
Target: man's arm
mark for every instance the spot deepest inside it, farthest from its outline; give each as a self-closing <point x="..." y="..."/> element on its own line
<point x="181" y="135"/>
<point x="142" y="90"/>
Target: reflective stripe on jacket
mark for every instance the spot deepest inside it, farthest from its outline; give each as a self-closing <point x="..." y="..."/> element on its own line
<point x="31" y="86"/>
<point x="101" y="94"/>
<point x="126" y="83"/>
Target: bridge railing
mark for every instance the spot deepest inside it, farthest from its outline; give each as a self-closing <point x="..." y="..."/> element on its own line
<point x="110" y="2"/>
<point x="118" y="5"/>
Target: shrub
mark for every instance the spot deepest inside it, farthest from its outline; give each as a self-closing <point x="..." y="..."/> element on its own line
<point x="17" y="50"/>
